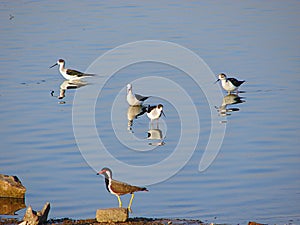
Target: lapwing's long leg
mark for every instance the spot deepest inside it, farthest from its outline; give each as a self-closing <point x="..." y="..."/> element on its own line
<point x="130" y="202"/>
<point x="120" y="202"/>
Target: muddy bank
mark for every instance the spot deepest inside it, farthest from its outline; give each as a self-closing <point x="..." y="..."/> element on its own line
<point x="131" y="221"/>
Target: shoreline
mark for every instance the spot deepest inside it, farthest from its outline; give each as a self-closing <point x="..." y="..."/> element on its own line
<point x="130" y="221"/>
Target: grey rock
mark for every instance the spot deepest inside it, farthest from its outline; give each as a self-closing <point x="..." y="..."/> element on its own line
<point x="11" y="186"/>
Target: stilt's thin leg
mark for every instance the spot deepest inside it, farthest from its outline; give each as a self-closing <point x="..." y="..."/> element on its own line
<point x="120" y="202"/>
<point x="130" y="202"/>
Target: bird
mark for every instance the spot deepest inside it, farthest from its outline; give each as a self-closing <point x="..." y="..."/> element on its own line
<point x="134" y="99"/>
<point x="229" y="84"/>
<point x="70" y="74"/>
<point x="119" y="188"/>
<point x="154" y="112"/>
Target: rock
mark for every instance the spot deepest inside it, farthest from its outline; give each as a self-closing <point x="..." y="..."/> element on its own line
<point x="112" y="215"/>
<point x="8" y="206"/>
<point x="32" y="217"/>
<point x="11" y="186"/>
<point x="254" y="223"/>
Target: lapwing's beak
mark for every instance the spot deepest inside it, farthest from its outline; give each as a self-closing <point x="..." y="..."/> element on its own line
<point x="101" y="172"/>
<point x="163" y="113"/>
<point x="217" y="81"/>
<point x="54" y="65"/>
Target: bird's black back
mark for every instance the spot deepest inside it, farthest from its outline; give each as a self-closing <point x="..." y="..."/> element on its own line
<point x="150" y="108"/>
<point x="236" y="82"/>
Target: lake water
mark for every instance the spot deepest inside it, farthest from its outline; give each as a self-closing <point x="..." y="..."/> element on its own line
<point x="255" y="175"/>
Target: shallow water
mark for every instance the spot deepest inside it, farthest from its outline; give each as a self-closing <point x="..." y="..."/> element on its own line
<point x="256" y="173"/>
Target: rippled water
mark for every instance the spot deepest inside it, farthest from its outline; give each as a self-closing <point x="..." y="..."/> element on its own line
<point x="256" y="174"/>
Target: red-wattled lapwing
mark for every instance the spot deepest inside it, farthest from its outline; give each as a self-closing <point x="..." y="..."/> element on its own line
<point x="229" y="84"/>
<point x="70" y="74"/>
<point x="134" y="99"/>
<point x="118" y="188"/>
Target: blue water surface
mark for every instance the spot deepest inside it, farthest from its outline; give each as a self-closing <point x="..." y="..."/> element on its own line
<point x="256" y="173"/>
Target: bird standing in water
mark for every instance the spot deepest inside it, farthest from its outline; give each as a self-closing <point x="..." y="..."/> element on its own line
<point x="134" y="99"/>
<point x="229" y="84"/>
<point x="154" y="112"/>
<point x="70" y="74"/>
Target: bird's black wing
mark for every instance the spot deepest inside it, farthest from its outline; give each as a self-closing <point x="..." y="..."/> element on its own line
<point x="150" y="108"/>
<point x="235" y="82"/>
<point x="74" y="72"/>
<point x="77" y="73"/>
<point x="140" y="97"/>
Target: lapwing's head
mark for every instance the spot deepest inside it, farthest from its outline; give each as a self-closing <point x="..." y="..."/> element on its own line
<point x="222" y="76"/>
<point x="106" y="172"/>
<point x="129" y="87"/>
<point x="59" y="62"/>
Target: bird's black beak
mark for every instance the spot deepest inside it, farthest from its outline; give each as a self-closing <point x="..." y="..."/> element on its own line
<point x="53" y="65"/>
<point x="217" y="81"/>
<point x="98" y="173"/>
<point x="163" y="113"/>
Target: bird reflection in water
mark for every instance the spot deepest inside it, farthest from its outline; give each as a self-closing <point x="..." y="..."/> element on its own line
<point x="133" y="113"/>
<point x="230" y="99"/>
<point x="75" y="84"/>
<point x="155" y="134"/>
